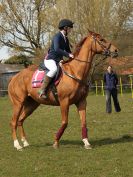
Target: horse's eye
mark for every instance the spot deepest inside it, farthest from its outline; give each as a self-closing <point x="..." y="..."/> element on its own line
<point x="102" y="40"/>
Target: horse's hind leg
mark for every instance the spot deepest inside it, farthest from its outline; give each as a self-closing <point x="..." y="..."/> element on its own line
<point x="28" y="107"/>
<point x="17" y="107"/>
<point x="17" y="96"/>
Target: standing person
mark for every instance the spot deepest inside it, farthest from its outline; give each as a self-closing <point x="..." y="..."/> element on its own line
<point x="59" y="48"/>
<point x="111" y="81"/>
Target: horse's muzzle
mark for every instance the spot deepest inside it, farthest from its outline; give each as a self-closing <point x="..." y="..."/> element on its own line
<point x="108" y="53"/>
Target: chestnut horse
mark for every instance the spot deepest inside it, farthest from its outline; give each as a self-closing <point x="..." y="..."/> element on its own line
<point x="72" y="89"/>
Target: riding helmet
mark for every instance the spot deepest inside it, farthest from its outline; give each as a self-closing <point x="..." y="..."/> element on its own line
<point x="65" y="23"/>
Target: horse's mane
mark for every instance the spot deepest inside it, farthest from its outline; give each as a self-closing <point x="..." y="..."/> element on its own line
<point x="32" y="67"/>
<point x="78" y="46"/>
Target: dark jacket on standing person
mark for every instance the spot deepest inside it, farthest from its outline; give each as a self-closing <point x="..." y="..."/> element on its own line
<point x="110" y="80"/>
<point x="59" y="48"/>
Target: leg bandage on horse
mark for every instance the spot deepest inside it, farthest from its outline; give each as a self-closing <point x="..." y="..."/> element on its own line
<point x="61" y="131"/>
<point x="84" y="133"/>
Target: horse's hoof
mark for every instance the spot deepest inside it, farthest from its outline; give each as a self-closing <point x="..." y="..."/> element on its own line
<point x="19" y="148"/>
<point x="26" y="144"/>
<point x="56" y="145"/>
<point x="88" y="147"/>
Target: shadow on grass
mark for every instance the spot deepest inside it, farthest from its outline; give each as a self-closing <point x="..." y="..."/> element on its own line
<point x="108" y="141"/>
<point x="101" y="142"/>
<point x="94" y="143"/>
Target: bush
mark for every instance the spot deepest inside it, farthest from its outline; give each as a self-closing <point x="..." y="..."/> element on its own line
<point x="20" y="59"/>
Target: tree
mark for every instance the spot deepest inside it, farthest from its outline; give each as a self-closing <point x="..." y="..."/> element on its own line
<point x="104" y="16"/>
<point x="28" y="25"/>
<point x="22" y="24"/>
<point x="109" y="18"/>
<point x="21" y="59"/>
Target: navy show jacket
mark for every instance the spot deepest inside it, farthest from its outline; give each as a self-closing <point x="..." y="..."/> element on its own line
<point x="110" y="80"/>
<point x="59" y="48"/>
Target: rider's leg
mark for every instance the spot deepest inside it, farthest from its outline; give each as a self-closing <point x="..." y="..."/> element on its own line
<point x="46" y="81"/>
<point x="51" y="65"/>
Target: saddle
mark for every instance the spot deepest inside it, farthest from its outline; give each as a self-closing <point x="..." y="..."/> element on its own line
<point x="39" y="75"/>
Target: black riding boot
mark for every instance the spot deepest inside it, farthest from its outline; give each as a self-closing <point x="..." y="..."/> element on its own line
<point x="42" y="91"/>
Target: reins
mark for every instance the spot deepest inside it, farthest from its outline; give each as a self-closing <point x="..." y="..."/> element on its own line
<point x="75" y="78"/>
<point x="106" y="53"/>
<point x="81" y="60"/>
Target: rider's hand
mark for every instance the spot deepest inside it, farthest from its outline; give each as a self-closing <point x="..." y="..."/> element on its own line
<point x="60" y="63"/>
<point x="71" y="55"/>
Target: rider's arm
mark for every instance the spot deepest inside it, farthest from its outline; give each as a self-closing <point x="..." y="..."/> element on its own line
<point x="57" y="47"/>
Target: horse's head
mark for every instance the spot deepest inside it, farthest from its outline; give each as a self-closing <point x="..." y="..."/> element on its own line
<point x="101" y="45"/>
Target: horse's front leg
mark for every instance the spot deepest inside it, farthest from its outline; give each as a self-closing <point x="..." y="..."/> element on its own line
<point x="64" y="106"/>
<point x="81" y="106"/>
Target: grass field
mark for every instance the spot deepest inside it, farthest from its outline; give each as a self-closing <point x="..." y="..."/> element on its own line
<point x="110" y="135"/>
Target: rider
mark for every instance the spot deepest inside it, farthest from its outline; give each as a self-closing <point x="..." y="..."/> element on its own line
<point x="59" y="48"/>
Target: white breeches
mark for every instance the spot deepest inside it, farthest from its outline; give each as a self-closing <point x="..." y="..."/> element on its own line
<point x="52" y="67"/>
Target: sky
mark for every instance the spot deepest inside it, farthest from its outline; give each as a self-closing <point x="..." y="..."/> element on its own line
<point x="4" y="54"/>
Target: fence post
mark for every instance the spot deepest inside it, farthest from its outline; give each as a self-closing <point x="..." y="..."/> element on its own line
<point x="121" y="90"/>
<point x="102" y="88"/>
<point x="96" y="88"/>
<point x="131" y="84"/>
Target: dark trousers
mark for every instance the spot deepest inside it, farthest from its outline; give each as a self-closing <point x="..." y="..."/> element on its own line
<point x="112" y="93"/>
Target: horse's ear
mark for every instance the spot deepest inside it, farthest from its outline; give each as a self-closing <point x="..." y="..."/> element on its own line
<point x="90" y="32"/>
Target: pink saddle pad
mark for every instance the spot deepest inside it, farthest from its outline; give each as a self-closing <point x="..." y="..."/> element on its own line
<point x="37" y="78"/>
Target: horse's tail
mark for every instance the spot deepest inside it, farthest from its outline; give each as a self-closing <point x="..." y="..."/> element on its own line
<point x="10" y="88"/>
<point x="10" y="79"/>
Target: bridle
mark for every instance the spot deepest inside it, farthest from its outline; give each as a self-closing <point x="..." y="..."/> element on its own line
<point x="106" y="53"/>
<point x="106" y="49"/>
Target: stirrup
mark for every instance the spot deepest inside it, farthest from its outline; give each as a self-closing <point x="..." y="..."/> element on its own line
<point x="42" y="94"/>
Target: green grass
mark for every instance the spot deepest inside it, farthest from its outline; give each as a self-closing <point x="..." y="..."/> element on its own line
<point x="110" y="135"/>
